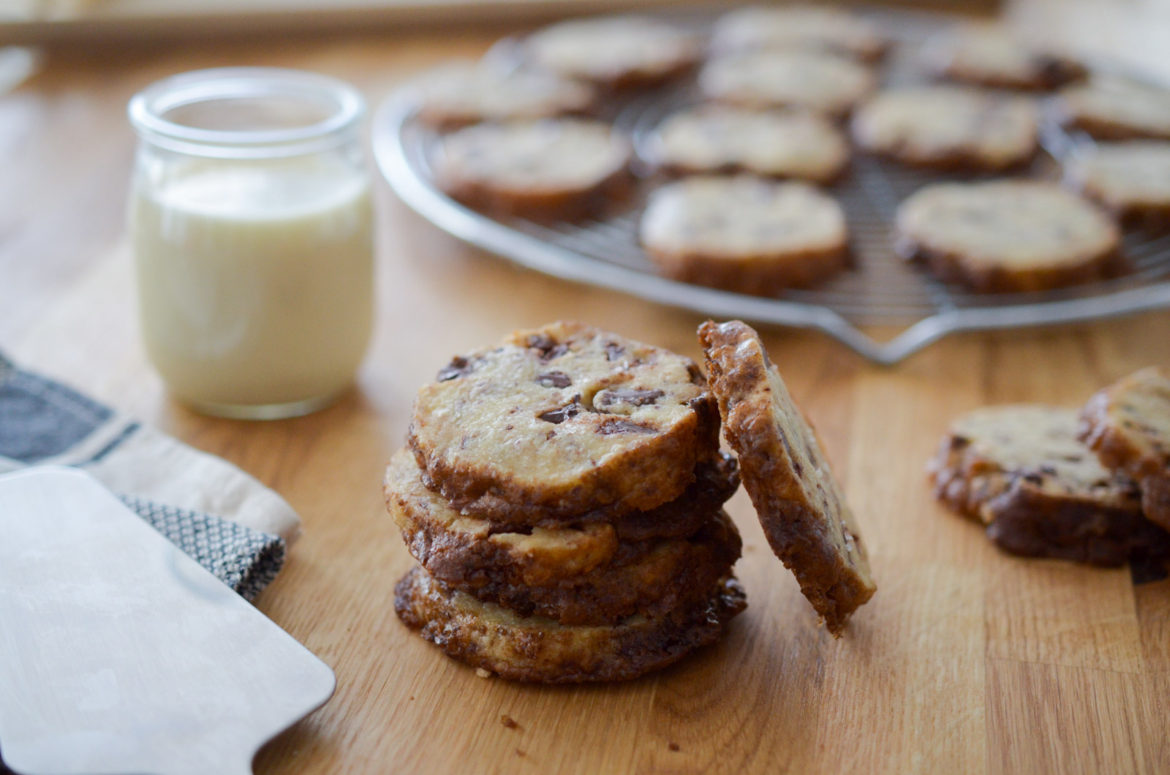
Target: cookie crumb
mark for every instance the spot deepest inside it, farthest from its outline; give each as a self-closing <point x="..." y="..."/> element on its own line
<point x="509" y="722"/>
<point x="479" y="671"/>
<point x="673" y="746"/>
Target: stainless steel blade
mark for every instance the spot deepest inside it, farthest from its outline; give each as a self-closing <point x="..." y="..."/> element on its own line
<point x="120" y="654"/>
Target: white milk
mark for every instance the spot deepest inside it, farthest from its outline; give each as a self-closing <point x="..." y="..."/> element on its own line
<point x="255" y="281"/>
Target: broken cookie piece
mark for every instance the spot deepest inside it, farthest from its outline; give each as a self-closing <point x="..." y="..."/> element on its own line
<point x="1020" y="470"/>
<point x="1128" y="425"/>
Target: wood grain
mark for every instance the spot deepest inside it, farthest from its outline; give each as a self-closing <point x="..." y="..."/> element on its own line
<point x="966" y="660"/>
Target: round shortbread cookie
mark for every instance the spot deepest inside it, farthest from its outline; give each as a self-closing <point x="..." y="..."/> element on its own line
<point x="468" y="93"/>
<point x="1131" y="180"/>
<point x="823" y="82"/>
<point x="990" y="56"/>
<point x="614" y="52"/>
<point x="1020" y="470"/>
<point x="800" y="505"/>
<point x="948" y="127"/>
<point x="1128" y="425"/>
<point x="1116" y="110"/>
<point x="552" y="167"/>
<point x="583" y="574"/>
<point x="560" y="421"/>
<point x="1007" y="235"/>
<point x="744" y="234"/>
<point x="798" y="26"/>
<point x="714" y="139"/>
<point x="538" y="649"/>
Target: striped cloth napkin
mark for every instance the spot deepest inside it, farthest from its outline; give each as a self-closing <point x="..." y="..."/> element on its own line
<point x="220" y="516"/>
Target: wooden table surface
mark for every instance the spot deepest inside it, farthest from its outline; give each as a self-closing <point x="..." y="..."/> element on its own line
<point x="966" y="660"/>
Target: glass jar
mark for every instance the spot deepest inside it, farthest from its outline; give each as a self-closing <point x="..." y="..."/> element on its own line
<point x="252" y="232"/>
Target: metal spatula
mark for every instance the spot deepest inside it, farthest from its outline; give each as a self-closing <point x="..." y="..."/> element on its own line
<point x="120" y="654"/>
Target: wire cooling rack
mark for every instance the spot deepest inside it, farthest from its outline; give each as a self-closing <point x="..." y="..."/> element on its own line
<point x="881" y="288"/>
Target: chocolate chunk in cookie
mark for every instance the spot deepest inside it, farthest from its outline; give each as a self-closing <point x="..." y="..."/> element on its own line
<point x="721" y="139"/>
<point x="801" y="507"/>
<point x="537" y="649"/>
<point x="813" y="80"/>
<point x="1128" y="426"/>
<point x="948" y="127"/>
<point x="549" y="168"/>
<point x="744" y="234"/>
<point x="1008" y="235"/>
<point x="620" y="429"/>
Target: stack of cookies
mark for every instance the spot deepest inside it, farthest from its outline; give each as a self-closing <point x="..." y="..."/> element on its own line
<point x="562" y="495"/>
<point x="1092" y="487"/>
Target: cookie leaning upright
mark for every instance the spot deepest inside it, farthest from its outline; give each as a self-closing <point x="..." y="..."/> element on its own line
<point x="800" y="505"/>
<point x="562" y="421"/>
<point x="1128" y="425"/>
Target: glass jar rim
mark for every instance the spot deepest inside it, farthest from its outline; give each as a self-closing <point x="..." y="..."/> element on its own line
<point x="148" y="108"/>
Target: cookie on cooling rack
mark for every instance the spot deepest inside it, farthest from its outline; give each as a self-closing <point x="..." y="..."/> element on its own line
<point x="1113" y="109"/>
<point x="814" y="80"/>
<point x="1007" y="235"/>
<point x="614" y="52"/>
<point x="798" y="26"/>
<point x="744" y="233"/>
<point x="948" y="127"/>
<point x="801" y="508"/>
<point x="560" y="421"/>
<point x="1128" y="425"/>
<point x="470" y="92"/>
<point x="773" y="143"/>
<point x="1131" y="179"/>
<point x="1020" y="470"/>
<point x="555" y="168"/>
<point x="990" y="56"/>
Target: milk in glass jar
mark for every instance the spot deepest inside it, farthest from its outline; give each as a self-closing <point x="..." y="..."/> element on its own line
<point x="251" y="227"/>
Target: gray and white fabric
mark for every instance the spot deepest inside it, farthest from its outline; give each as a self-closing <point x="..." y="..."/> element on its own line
<point x="222" y="517"/>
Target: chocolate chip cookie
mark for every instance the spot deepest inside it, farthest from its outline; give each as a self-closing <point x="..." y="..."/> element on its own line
<point x="1113" y="109"/>
<point x="1020" y="470"/>
<point x="948" y="127"/>
<point x="798" y="26"/>
<point x="1131" y="179"/>
<point x="560" y="167"/>
<point x="744" y="234"/>
<point x="721" y="139"/>
<point x="1008" y="235"/>
<point x="560" y="421"/>
<point x="813" y="80"/>
<point x="990" y="56"/>
<point x="614" y="52"/>
<point x="580" y="574"/>
<point x="1128" y="425"/>
<point x="471" y="92"/>
<point x="487" y="636"/>
<point x="801" y="507"/>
